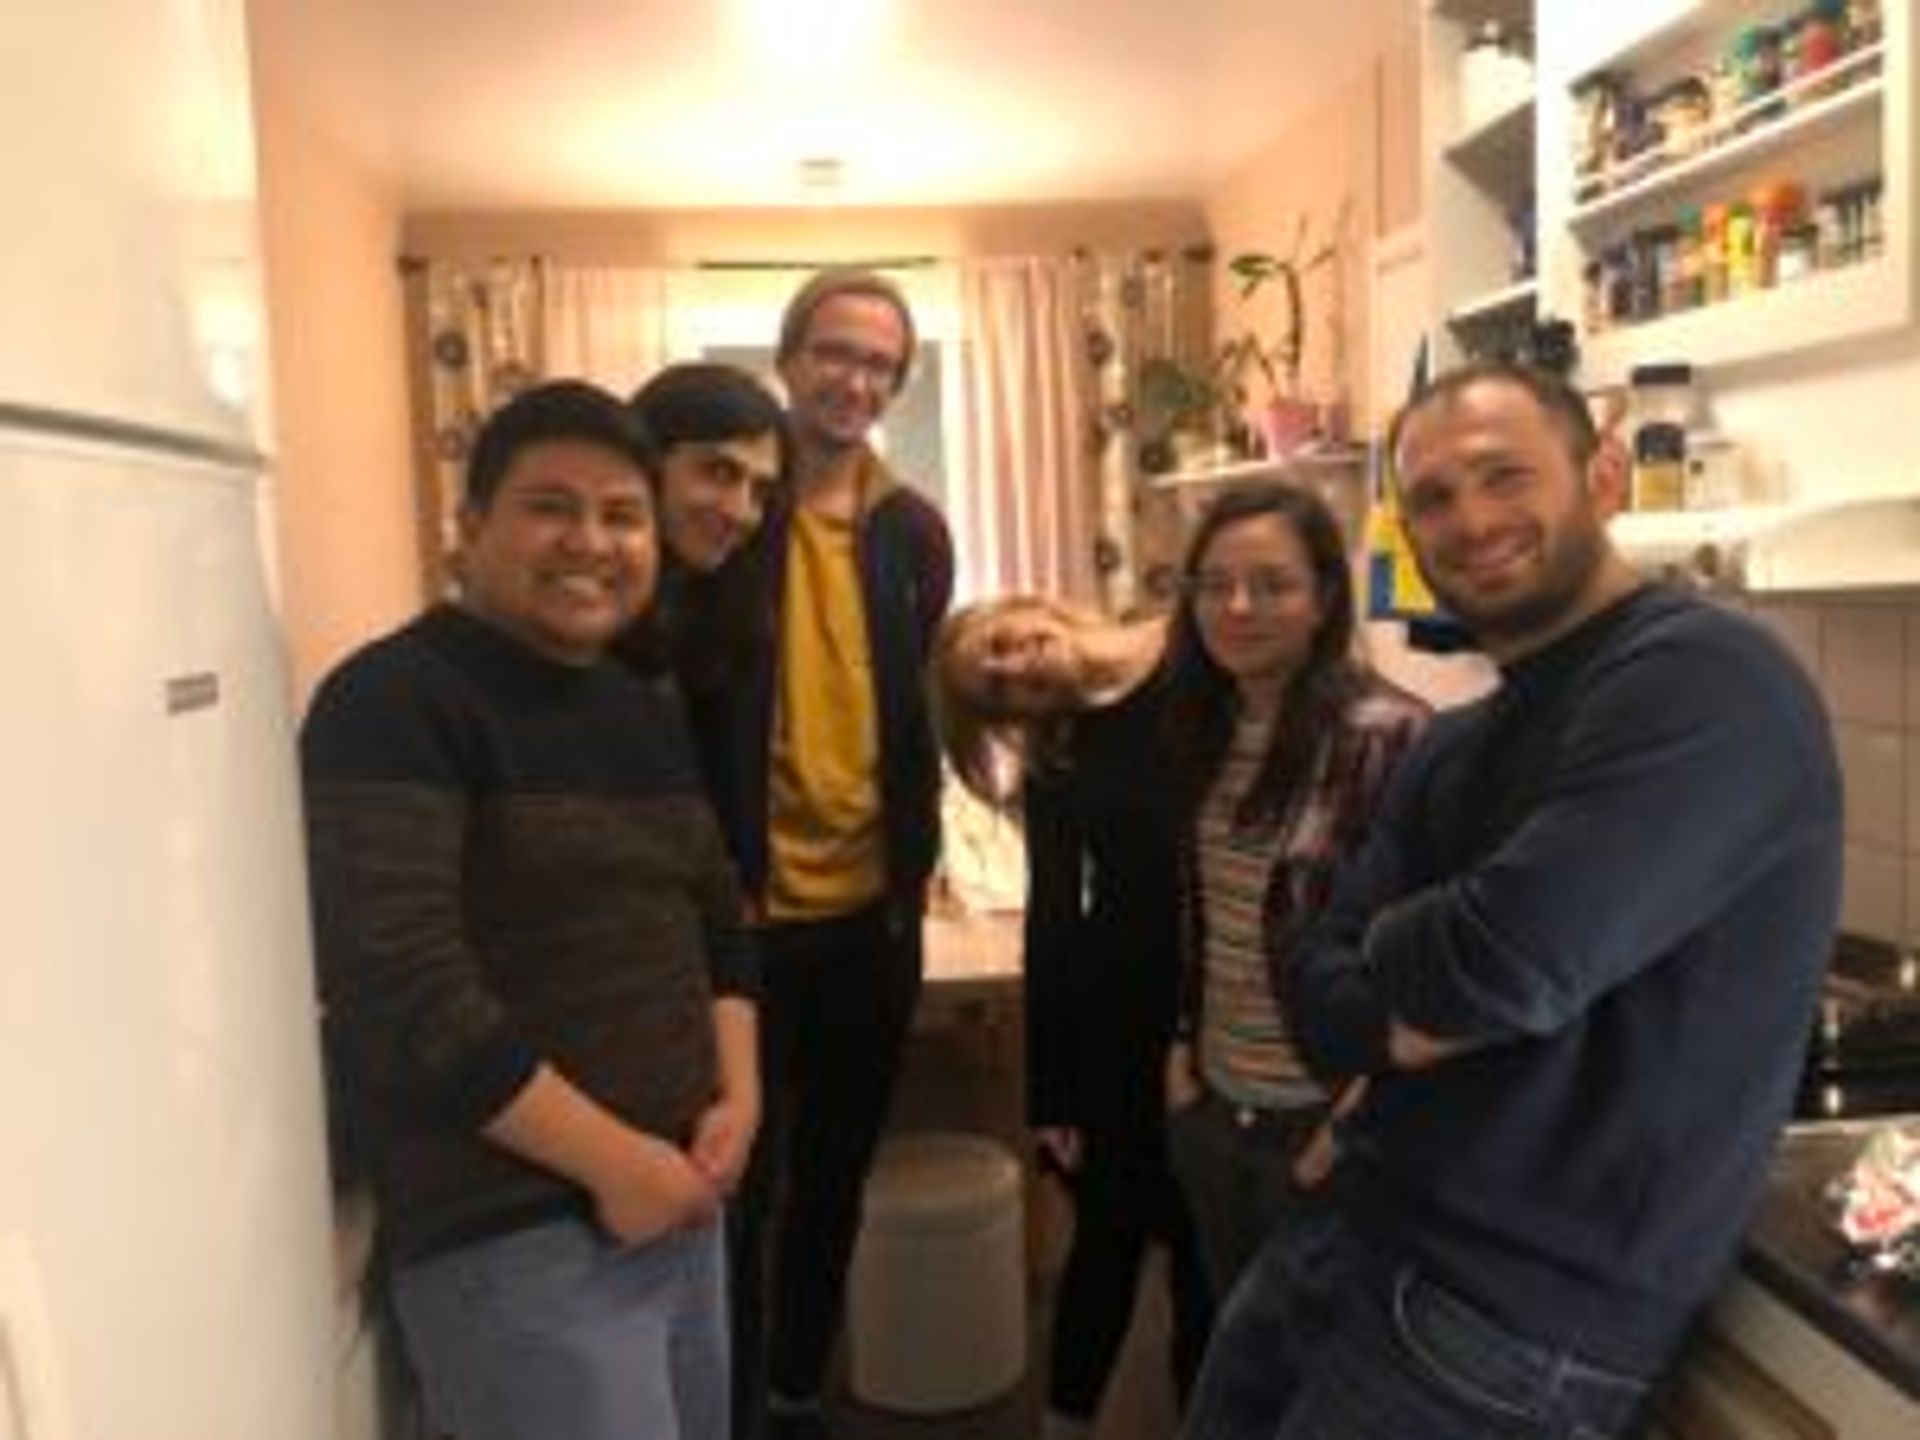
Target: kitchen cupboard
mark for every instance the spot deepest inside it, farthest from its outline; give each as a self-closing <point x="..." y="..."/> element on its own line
<point x="1760" y="1371"/>
<point x="1685" y="170"/>
<point x="1478" y="128"/>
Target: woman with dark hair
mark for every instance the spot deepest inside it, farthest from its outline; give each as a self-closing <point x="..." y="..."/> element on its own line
<point x="1029" y="689"/>
<point x="1280" y="741"/>
<point x="724" y="454"/>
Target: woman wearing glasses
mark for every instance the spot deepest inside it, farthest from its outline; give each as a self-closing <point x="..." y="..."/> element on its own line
<point x="1189" y="787"/>
<point x="1281" y="741"/>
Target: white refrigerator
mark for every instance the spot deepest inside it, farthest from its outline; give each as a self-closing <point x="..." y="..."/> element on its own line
<point x="165" y="1269"/>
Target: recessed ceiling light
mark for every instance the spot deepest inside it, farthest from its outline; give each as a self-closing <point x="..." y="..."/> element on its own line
<point x="822" y="174"/>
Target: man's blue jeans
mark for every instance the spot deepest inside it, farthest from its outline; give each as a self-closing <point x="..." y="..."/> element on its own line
<point x="558" y="1330"/>
<point x="1328" y="1341"/>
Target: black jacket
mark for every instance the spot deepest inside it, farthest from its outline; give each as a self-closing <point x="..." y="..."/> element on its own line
<point x="906" y="580"/>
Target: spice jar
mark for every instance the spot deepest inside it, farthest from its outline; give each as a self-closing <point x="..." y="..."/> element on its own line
<point x="1715" y="472"/>
<point x="1743" y="274"/>
<point x="1713" y="254"/>
<point x="1689" y="262"/>
<point x="1818" y="48"/>
<point x="1862" y="23"/>
<point x="1871" y="234"/>
<point x="1799" y="252"/>
<point x="1662" y="403"/>
<point x="1776" y="207"/>
<point x="1681" y="113"/>
<point x="1829" y="217"/>
<point x="1593" y="298"/>
<point x="1595" y="119"/>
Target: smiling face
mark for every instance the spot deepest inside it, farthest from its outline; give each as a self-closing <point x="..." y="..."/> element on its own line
<point x="713" y="495"/>
<point x="1509" y="528"/>
<point x="1018" y="662"/>
<point x="844" y="369"/>
<point x="1256" y="602"/>
<point x="562" y="554"/>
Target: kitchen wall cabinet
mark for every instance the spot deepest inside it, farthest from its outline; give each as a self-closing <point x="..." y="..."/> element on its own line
<point x="1848" y="122"/>
<point x="1478" y="132"/>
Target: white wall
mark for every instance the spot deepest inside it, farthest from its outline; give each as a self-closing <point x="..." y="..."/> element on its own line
<point x="1842" y="421"/>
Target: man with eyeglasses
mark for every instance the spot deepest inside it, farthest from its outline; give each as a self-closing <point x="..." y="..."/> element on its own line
<point x="835" y="827"/>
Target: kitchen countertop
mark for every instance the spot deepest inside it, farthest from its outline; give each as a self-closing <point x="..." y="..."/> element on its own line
<point x="1794" y="1251"/>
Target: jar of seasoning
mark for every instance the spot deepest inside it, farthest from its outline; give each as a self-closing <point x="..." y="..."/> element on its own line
<point x="1728" y="90"/>
<point x="1618" y="261"/>
<point x="1690" y="261"/>
<point x="1756" y="60"/>
<point x="1798" y="255"/>
<point x="1818" y="49"/>
<point x="1663" y="250"/>
<point x="1790" y="31"/>
<point x="1713" y="254"/>
<point x="1743" y="276"/>
<point x="1681" y="113"/>
<point x="1647" y="245"/>
<point x="1862" y="23"/>
<point x="1595" y="120"/>
<point x="1775" y="206"/>
<point x="1594" y="318"/>
<point x="1872" y="236"/>
<point x="1662" y="404"/>
<point x="1830" y="221"/>
<point x="1716" y="472"/>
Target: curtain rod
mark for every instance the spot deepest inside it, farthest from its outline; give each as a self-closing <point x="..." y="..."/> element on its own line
<point x="408" y="264"/>
<point x="882" y="262"/>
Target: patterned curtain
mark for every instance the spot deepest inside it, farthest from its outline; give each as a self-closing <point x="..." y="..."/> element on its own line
<point x="483" y="347"/>
<point x="1136" y="310"/>
<point x="496" y="327"/>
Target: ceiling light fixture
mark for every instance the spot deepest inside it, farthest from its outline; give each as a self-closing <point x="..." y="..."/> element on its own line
<point x="822" y="174"/>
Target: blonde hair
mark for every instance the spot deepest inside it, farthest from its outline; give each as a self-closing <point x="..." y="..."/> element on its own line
<point x="987" y="745"/>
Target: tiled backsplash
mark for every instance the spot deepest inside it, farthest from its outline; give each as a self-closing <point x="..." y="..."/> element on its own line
<point x="1865" y="653"/>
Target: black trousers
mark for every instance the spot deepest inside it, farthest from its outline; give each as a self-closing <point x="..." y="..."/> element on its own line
<point x="1124" y="1198"/>
<point x="840" y="995"/>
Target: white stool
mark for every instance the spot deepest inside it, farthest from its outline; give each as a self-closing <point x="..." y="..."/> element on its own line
<point x="937" y="1300"/>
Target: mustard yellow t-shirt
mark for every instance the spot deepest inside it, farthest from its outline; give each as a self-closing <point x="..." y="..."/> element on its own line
<point x="826" y="854"/>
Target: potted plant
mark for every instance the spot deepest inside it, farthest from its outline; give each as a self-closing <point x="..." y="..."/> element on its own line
<point x="1286" y="418"/>
<point x="1179" y="410"/>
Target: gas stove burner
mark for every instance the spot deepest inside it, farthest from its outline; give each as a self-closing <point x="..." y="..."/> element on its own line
<point x="1863" y="1058"/>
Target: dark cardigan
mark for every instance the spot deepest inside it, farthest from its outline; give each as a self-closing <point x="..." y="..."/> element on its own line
<point x="906" y="580"/>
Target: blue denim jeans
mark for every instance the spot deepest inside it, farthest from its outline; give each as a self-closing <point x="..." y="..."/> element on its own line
<point x="1327" y="1341"/>
<point x="558" y="1330"/>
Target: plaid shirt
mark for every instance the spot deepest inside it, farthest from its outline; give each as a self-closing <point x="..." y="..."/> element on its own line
<point x="1249" y="889"/>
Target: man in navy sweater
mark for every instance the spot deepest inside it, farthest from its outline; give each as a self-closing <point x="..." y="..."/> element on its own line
<point x="1576" y="959"/>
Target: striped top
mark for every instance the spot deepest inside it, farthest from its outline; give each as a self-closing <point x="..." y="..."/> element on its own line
<point x="1258" y="882"/>
<point x="1244" y="1051"/>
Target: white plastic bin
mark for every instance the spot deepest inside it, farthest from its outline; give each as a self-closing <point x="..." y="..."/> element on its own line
<point x="937" y="1298"/>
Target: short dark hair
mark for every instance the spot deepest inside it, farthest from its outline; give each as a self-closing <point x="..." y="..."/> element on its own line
<point x="553" y="410"/>
<point x="704" y="401"/>
<point x="830" y="284"/>
<point x="1565" y="407"/>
